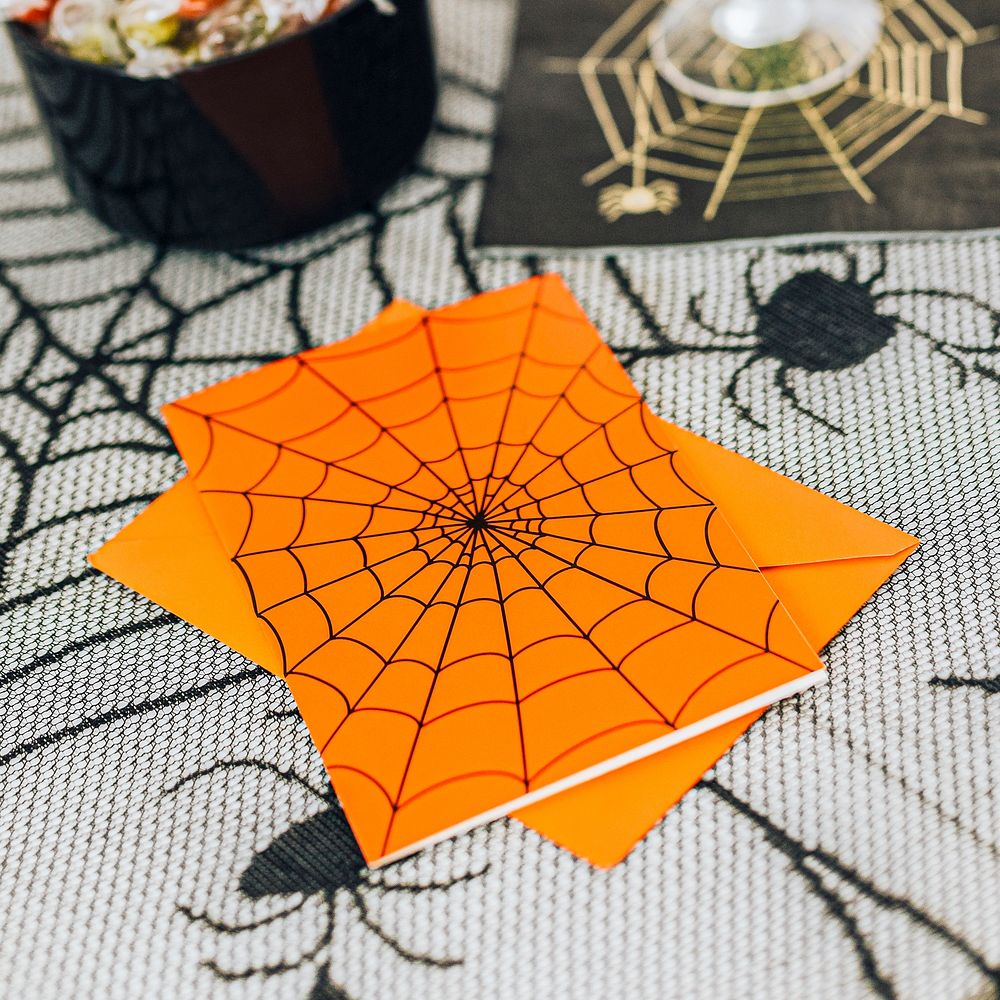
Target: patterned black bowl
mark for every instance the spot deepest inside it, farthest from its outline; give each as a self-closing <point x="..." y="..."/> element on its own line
<point x="248" y="149"/>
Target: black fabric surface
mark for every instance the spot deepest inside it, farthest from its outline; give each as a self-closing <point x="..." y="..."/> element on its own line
<point x="943" y="178"/>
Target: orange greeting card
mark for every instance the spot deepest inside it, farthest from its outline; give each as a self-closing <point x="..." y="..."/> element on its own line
<point x="487" y="572"/>
<point x="823" y="559"/>
<point x="487" y="569"/>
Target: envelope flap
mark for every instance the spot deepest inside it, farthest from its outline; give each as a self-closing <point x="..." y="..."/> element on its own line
<point x="779" y="520"/>
<point x="170" y="554"/>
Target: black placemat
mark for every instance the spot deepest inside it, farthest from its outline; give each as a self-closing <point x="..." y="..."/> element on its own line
<point x="594" y="148"/>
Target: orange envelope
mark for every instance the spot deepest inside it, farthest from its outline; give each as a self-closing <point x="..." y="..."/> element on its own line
<point x="273" y="448"/>
<point x="824" y="560"/>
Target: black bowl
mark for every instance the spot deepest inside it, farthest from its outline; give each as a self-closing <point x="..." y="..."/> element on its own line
<point x="248" y="149"/>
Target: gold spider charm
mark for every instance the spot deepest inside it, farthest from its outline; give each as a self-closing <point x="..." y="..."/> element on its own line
<point x="619" y="199"/>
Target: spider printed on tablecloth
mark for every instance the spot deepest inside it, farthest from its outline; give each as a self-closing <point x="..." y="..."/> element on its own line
<point x="316" y="856"/>
<point x="815" y="322"/>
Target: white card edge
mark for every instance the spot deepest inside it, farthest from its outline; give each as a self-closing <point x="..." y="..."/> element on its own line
<point x="710" y="722"/>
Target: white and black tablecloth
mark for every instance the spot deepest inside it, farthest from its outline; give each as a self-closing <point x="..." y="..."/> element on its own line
<point x="165" y="829"/>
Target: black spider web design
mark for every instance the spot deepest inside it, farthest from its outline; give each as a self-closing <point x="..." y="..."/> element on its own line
<point x="531" y="518"/>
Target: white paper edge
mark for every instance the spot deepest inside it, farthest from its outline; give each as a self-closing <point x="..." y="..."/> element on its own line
<point x="710" y="722"/>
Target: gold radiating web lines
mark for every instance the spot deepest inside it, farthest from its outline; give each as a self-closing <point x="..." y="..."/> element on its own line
<point x="827" y="144"/>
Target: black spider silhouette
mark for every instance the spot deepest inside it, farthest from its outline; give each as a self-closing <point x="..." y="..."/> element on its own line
<point x="816" y="322"/>
<point x="318" y="855"/>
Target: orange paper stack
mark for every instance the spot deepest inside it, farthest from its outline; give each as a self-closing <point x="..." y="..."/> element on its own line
<point x="494" y="581"/>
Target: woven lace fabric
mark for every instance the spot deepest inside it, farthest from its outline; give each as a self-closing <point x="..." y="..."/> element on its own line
<point x="154" y="786"/>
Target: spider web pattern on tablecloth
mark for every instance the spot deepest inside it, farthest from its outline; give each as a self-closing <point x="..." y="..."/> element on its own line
<point x="845" y="849"/>
<point x="462" y="523"/>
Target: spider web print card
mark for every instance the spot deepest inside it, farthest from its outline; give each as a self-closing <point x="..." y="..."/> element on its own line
<point x="594" y="148"/>
<point x="823" y="559"/>
<point x="486" y="568"/>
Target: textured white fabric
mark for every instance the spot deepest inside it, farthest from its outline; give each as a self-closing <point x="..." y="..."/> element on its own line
<point x="846" y="848"/>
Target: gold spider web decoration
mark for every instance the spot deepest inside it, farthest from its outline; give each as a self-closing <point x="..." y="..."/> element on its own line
<point x="815" y="146"/>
